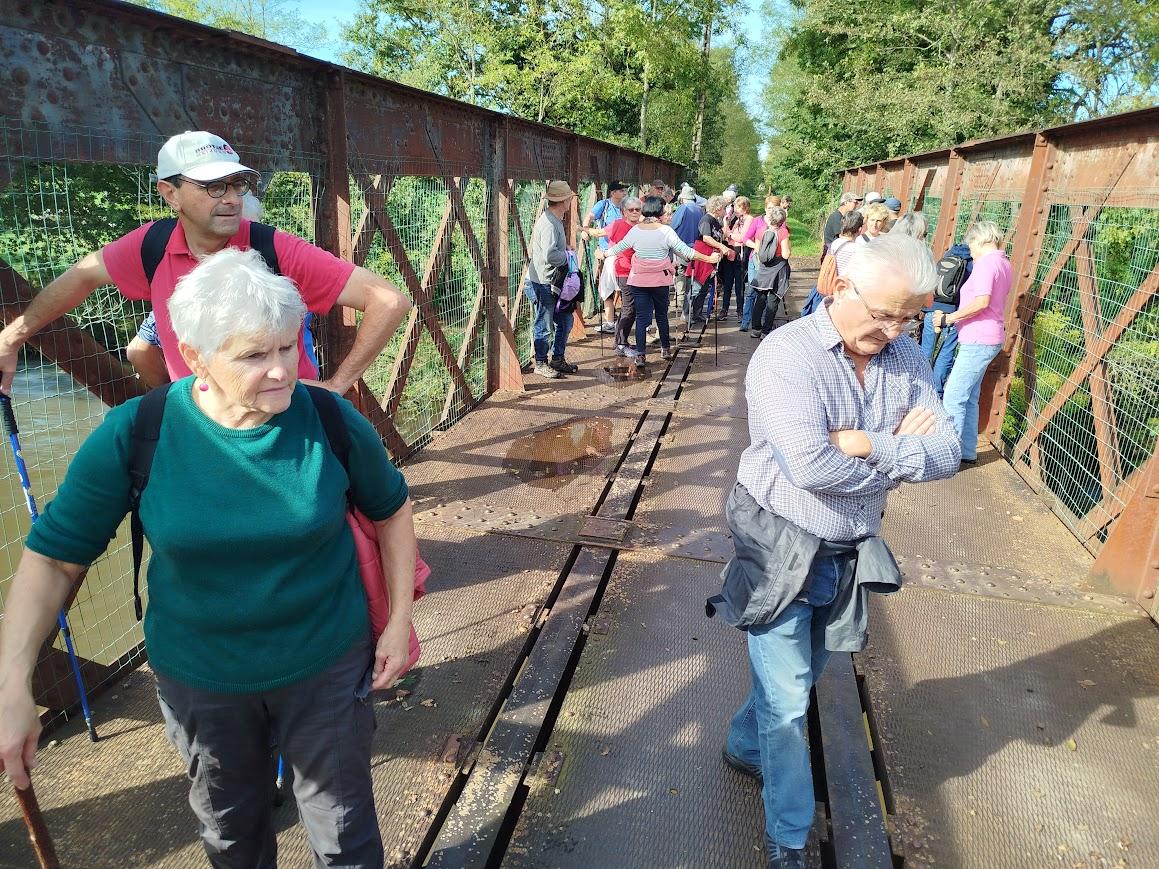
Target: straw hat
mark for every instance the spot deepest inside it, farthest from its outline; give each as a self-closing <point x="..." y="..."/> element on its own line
<point x="559" y="191"/>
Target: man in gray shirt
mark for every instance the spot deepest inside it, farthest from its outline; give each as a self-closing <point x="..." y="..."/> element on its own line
<point x="842" y="409"/>
<point x="548" y="255"/>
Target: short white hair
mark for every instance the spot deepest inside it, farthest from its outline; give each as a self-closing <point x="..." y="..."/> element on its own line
<point x="984" y="232"/>
<point x="631" y="202"/>
<point x="776" y="215"/>
<point x="894" y="253"/>
<point x="231" y="293"/>
<point x="911" y="223"/>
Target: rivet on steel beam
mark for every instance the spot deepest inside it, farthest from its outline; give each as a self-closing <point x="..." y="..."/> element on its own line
<point x="1149" y="593"/>
<point x="1155" y="564"/>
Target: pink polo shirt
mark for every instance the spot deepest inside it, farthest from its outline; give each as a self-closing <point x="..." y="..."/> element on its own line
<point x="992" y="276"/>
<point x="318" y="275"/>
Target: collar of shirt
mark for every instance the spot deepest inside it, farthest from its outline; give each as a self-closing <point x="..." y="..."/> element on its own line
<point x="179" y="246"/>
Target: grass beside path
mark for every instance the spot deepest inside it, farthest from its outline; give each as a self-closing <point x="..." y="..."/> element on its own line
<point x="805" y="239"/>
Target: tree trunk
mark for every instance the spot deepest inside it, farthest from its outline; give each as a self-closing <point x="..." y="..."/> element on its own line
<point x="644" y="110"/>
<point x="702" y="95"/>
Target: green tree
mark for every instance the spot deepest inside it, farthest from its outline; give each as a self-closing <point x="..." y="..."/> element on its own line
<point x="275" y="20"/>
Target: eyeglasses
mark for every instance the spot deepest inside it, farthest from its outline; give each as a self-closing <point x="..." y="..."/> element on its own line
<point x="633" y="209"/>
<point x="898" y="323"/>
<point x="216" y="189"/>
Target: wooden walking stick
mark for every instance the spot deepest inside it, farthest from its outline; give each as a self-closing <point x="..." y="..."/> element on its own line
<point x="37" y="831"/>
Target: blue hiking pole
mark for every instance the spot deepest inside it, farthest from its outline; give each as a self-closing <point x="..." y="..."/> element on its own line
<point x="280" y="782"/>
<point x="13" y="433"/>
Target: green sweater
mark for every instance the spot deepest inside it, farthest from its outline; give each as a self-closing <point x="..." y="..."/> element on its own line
<point x="253" y="582"/>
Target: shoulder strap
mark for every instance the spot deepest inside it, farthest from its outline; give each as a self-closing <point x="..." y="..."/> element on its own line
<point x="334" y="425"/>
<point x="142" y="445"/>
<point x="153" y="245"/>
<point x="262" y="240"/>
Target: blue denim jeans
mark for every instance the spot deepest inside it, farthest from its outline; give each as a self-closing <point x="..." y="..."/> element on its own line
<point x="544" y="318"/>
<point x="701" y="296"/>
<point x="962" y="390"/>
<point x="812" y="303"/>
<point x="750" y="298"/>
<point x="787" y="656"/>
<point x="945" y="348"/>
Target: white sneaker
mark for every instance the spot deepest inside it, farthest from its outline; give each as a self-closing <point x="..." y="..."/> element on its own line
<point x="606" y="328"/>
<point x="545" y="370"/>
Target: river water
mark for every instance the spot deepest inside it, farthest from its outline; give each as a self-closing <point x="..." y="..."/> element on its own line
<point x="55" y="415"/>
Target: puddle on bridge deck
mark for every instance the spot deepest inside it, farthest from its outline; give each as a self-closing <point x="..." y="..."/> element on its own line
<point x="553" y="457"/>
<point x="622" y="373"/>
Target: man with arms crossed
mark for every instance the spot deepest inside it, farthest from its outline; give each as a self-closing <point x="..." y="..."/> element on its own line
<point x="203" y="180"/>
<point x="842" y="409"/>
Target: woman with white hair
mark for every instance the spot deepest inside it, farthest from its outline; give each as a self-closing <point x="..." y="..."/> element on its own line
<point x="257" y="628"/>
<point x="981" y="329"/>
<point x="912" y="223"/>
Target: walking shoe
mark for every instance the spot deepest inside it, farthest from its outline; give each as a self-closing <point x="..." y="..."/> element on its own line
<point x="743" y="328"/>
<point x="640" y="360"/>
<point x="756" y="333"/>
<point x="699" y="321"/>
<point x="606" y="328"/>
<point x="545" y="370"/>
<point x="781" y="857"/>
<point x="667" y="354"/>
<point x="731" y="760"/>
<point x="563" y="366"/>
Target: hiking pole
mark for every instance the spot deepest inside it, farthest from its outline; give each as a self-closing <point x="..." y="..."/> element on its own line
<point x="61" y="620"/>
<point x="37" y="831"/>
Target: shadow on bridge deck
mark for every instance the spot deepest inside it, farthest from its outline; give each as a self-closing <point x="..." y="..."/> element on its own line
<point x="1016" y="714"/>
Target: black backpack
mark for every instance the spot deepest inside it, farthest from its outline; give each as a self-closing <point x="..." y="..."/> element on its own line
<point x="157" y="236"/>
<point x="143" y="444"/>
<point x="951" y="276"/>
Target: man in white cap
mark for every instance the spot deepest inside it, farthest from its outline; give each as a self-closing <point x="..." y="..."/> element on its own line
<point x="204" y="181"/>
<point x="547" y="261"/>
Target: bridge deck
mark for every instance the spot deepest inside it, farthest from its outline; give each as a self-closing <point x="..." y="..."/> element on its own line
<point x="1015" y="715"/>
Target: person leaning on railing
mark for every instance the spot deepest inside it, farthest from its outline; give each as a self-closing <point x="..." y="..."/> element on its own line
<point x="203" y="180"/>
<point x="981" y="329"/>
<point x="256" y="628"/>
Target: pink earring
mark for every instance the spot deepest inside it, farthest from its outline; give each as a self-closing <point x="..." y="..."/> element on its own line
<point x="203" y="386"/>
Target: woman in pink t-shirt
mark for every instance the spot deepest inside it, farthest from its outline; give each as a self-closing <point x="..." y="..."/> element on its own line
<point x="981" y="329"/>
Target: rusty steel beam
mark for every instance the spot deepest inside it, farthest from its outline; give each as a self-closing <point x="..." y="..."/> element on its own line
<point x="1128" y="562"/>
<point x="132" y="77"/>
<point x="71" y="348"/>
<point x="951" y="196"/>
<point x="1102" y="403"/>
<point x="1028" y="229"/>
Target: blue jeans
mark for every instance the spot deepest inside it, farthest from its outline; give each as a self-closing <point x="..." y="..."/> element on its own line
<point x="944" y="361"/>
<point x="962" y="390"/>
<point x="543" y="318"/>
<point x="750" y="298"/>
<point x="700" y="295"/>
<point x="649" y="301"/>
<point x="787" y="657"/>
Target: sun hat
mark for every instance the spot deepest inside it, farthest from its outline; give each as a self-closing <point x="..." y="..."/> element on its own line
<point x="559" y="191"/>
<point x="200" y="156"/>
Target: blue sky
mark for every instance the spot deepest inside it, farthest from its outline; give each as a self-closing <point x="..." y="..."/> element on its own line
<point x="333" y="14"/>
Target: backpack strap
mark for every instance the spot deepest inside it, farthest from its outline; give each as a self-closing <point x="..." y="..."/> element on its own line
<point x="334" y="425"/>
<point x="153" y="245"/>
<point x="262" y="240"/>
<point x="142" y="445"/>
<point x="157" y="238"/>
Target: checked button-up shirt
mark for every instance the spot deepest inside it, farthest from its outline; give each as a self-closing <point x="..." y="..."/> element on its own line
<point x="800" y="386"/>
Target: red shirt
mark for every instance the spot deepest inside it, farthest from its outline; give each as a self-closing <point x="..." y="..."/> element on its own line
<point x="616" y="233"/>
<point x="319" y="276"/>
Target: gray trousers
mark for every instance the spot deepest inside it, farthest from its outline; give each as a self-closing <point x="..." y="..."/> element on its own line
<point x="323" y="727"/>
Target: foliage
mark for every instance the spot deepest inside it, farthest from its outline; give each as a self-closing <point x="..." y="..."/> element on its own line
<point x="594" y="70"/>
<point x="275" y="20"/>
<point x="855" y="84"/>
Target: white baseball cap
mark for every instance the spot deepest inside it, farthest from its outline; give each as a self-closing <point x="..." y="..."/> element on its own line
<point x="873" y="196"/>
<point x="200" y="156"/>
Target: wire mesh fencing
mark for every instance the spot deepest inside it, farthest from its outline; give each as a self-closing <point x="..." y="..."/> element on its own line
<point x="1083" y="413"/>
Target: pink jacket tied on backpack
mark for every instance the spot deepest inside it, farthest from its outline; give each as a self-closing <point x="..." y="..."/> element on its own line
<point x="651" y="272"/>
<point x="374" y="580"/>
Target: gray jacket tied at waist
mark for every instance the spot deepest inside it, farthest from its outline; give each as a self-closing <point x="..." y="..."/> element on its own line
<point x="771" y="567"/>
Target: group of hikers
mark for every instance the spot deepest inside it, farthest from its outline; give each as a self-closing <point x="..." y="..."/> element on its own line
<point x="257" y="631"/>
